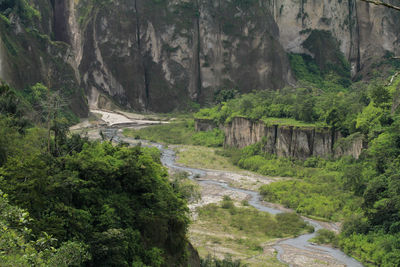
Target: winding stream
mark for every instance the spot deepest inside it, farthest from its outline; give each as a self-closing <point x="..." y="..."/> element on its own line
<point x="301" y="242"/>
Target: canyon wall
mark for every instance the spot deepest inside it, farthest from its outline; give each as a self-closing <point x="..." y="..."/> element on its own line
<point x="365" y="32"/>
<point x="28" y="55"/>
<point x="142" y="52"/>
<point x="286" y="141"/>
<point x="159" y="55"/>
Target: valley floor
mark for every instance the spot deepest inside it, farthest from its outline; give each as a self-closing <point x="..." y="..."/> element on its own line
<point x="215" y="234"/>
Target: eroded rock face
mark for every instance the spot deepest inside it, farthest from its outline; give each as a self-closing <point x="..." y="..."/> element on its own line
<point x="158" y="55"/>
<point x="284" y="141"/>
<point x="28" y="55"/>
<point x="365" y="31"/>
<point x="352" y="145"/>
<point x="162" y="55"/>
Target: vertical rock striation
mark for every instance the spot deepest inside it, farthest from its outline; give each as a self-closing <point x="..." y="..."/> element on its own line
<point x="365" y="32"/>
<point x="157" y="55"/>
<point x="161" y="55"/>
<point x="284" y="141"/>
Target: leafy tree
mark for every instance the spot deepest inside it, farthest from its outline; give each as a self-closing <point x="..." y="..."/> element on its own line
<point x="223" y="95"/>
<point x="116" y="200"/>
<point x="380" y="95"/>
<point x="18" y="250"/>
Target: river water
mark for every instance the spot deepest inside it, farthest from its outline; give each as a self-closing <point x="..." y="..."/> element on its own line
<point x="301" y="242"/>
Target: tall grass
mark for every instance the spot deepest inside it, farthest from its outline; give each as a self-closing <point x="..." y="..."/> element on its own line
<point x="178" y="133"/>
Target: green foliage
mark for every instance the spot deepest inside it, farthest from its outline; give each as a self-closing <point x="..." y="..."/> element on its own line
<point x="305" y="68"/>
<point x="320" y="199"/>
<point x="226" y="262"/>
<point x="294" y="107"/>
<point x="224" y="95"/>
<point x="251" y="221"/>
<point x="111" y="206"/>
<point x="18" y="250"/>
<point x="14" y="107"/>
<point x="325" y="236"/>
<point x="179" y="133"/>
<point x="375" y="248"/>
<point x="322" y="188"/>
<point x="20" y="7"/>
<point x="308" y="72"/>
<point x="328" y="56"/>
<point x="187" y="188"/>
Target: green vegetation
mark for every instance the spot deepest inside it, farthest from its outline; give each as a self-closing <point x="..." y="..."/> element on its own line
<point x="19" y="250"/>
<point x="84" y="203"/>
<point x="294" y="106"/>
<point x="226" y="262"/>
<point x="288" y="122"/>
<point x="242" y="230"/>
<point x="178" y="133"/>
<point x="320" y="189"/>
<point x="204" y="158"/>
<point x="363" y="192"/>
<point x="325" y="236"/>
<point x="308" y="73"/>
<point x="187" y="188"/>
<point x="328" y="58"/>
<point x="249" y="221"/>
<point x="21" y="7"/>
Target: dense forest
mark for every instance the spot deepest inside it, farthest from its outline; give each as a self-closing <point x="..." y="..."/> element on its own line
<point x="67" y="201"/>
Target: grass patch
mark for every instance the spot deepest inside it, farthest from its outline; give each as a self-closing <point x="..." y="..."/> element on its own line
<point x="290" y="122"/>
<point x="249" y="222"/>
<point x="243" y="231"/>
<point x="204" y="158"/>
<point x="178" y="133"/>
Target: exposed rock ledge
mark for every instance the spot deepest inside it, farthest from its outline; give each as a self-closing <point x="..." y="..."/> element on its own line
<point x="284" y="141"/>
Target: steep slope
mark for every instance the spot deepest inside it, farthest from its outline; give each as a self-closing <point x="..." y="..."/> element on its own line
<point x="365" y="32"/>
<point x="28" y="55"/>
<point x="161" y="55"/>
<point x="143" y="52"/>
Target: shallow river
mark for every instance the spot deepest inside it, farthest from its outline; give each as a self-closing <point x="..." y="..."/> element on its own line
<point x="301" y="242"/>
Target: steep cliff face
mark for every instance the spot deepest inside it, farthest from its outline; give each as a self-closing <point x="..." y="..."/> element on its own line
<point x="352" y="145"/>
<point x="28" y="55"/>
<point x="288" y="141"/>
<point x="365" y="31"/>
<point x="143" y="52"/>
<point x="160" y="55"/>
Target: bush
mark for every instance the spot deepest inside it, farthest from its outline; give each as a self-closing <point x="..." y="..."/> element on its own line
<point x="325" y="236"/>
<point x="214" y="262"/>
